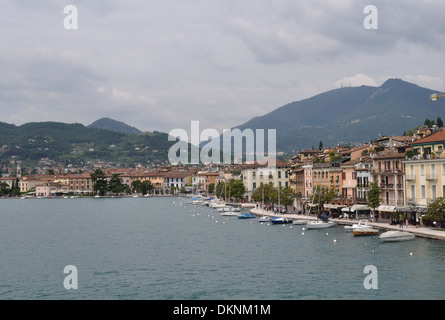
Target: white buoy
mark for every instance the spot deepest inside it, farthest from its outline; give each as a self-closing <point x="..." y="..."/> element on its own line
<point x="335" y="241"/>
<point x="410" y="253"/>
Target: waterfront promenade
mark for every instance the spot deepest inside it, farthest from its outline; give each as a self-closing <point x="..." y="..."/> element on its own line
<point x="417" y="231"/>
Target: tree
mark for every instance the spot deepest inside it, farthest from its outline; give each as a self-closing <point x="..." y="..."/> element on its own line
<point x="373" y="195"/>
<point x="236" y="188"/>
<point x="115" y="184"/>
<point x="439" y="122"/>
<point x="100" y="183"/>
<point x="136" y="186"/>
<point x="320" y="145"/>
<point x="265" y="192"/>
<point x="146" y="187"/>
<point x="285" y="197"/>
<point x="436" y="210"/>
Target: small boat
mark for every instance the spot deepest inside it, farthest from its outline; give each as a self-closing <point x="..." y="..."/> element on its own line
<point x="246" y="216"/>
<point x="319" y="224"/>
<point x="300" y="222"/>
<point x="361" y="224"/>
<point x="229" y="213"/>
<point x="264" y="219"/>
<point x="280" y="220"/>
<point x="365" y="231"/>
<point x="229" y="208"/>
<point x="396" y="236"/>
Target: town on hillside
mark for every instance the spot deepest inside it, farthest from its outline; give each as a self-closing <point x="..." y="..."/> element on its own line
<point x="408" y="171"/>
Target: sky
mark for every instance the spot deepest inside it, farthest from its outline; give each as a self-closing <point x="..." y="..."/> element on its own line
<point x="160" y="64"/>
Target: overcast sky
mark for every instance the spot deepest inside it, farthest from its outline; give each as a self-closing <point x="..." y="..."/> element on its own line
<point x="158" y="64"/>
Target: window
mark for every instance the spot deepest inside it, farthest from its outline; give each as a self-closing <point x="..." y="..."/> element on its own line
<point x="413" y="193"/>
<point x="279" y="174"/>
<point x="433" y="192"/>
<point x="254" y="185"/>
<point x="422" y="192"/>
<point x="422" y="170"/>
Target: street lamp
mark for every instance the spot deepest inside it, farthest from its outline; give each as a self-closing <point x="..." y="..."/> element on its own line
<point x="436" y="96"/>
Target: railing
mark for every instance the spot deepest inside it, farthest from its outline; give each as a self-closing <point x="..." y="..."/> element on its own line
<point x="432" y="176"/>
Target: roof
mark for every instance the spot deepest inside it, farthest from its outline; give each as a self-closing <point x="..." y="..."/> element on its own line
<point x="438" y="136"/>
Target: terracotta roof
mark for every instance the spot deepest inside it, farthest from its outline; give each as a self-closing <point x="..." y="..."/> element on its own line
<point x="438" y="136"/>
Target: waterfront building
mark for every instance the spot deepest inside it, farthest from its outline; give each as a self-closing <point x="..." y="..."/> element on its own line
<point x="177" y="178"/>
<point x="388" y="172"/>
<point x="256" y="174"/>
<point x="425" y="172"/>
<point x="203" y="179"/>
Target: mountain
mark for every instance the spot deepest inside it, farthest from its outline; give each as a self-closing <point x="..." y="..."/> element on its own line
<point x="76" y="144"/>
<point x="113" y="125"/>
<point x="350" y="115"/>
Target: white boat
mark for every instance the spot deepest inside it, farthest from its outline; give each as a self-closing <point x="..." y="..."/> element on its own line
<point x="361" y="224"/>
<point x="319" y="224"/>
<point x="396" y="236"/>
<point x="229" y="208"/>
<point x="229" y="213"/>
<point x="300" y="222"/>
<point x="365" y="231"/>
<point x="264" y="219"/>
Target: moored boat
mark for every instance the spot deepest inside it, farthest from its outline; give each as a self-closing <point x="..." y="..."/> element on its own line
<point x="300" y="222"/>
<point x="280" y="220"/>
<point x="319" y="224"/>
<point x="361" y="224"/>
<point x="246" y="216"/>
<point x="365" y="231"/>
<point x="396" y="236"/>
<point x="264" y="219"/>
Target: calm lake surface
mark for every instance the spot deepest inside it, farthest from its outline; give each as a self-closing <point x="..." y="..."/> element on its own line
<point x="161" y="249"/>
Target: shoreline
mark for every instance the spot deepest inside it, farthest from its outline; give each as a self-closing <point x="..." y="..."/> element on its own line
<point x="423" y="232"/>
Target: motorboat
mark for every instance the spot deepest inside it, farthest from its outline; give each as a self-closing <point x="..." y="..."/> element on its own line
<point x="396" y="236"/>
<point x="229" y="213"/>
<point x="320" y="224"/>
<point x="229" y="208"/>
<point x="264" y="219"/>
<point x="361" y="231"/>
<point x="361" y="224"/>
<point x="280" y="220"/>
<point x="246" y="216"/>
<point x="299" y="222"/>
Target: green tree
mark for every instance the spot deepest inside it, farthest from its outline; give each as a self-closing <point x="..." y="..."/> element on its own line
<point x="211" y="188"/>
<point x="374" y="195"/>
<point x="436" y="210"/>
<point x="236" y="189"/>
<point x="439" y="122"/>
<point x="285" y="196"/>
<point x="115" y="184"/>
<point x="146" y="187"/>
<point x="100" y="183"/>
<point x="265" y="192"/>
<point x="136" y="186"/>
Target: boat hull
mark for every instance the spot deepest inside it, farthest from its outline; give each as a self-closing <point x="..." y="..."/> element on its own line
<point x="365" y="232"/>
<point x="392" y="236"/>
<point x="246" y="216"/>
<point x="319" y="224"/>
<point x="280" y="220"/>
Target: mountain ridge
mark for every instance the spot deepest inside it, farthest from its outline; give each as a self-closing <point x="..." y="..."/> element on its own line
<point x="349" y="115"/>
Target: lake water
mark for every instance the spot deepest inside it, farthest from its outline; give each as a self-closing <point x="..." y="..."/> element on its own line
<point x="160" y="249"/>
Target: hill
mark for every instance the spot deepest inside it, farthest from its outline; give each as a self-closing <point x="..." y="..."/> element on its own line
<point x="113" y="125"/>
<point x="350" y="115"/>
<point x="76" y="144"/>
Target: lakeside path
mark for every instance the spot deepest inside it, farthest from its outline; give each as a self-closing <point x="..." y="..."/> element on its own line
<point x="417" y="231"/>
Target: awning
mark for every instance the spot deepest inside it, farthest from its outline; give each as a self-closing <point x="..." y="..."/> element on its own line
<point x="386" y="208"/>
<point x="355" y="207"/>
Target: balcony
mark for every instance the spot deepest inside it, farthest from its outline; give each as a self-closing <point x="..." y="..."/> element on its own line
<point x="410" y="177"/>
<point x="430" y="177"/>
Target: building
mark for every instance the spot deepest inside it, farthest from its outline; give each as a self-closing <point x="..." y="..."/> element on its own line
<point x="388" y="172"/>
<point x="256" y="174"/>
